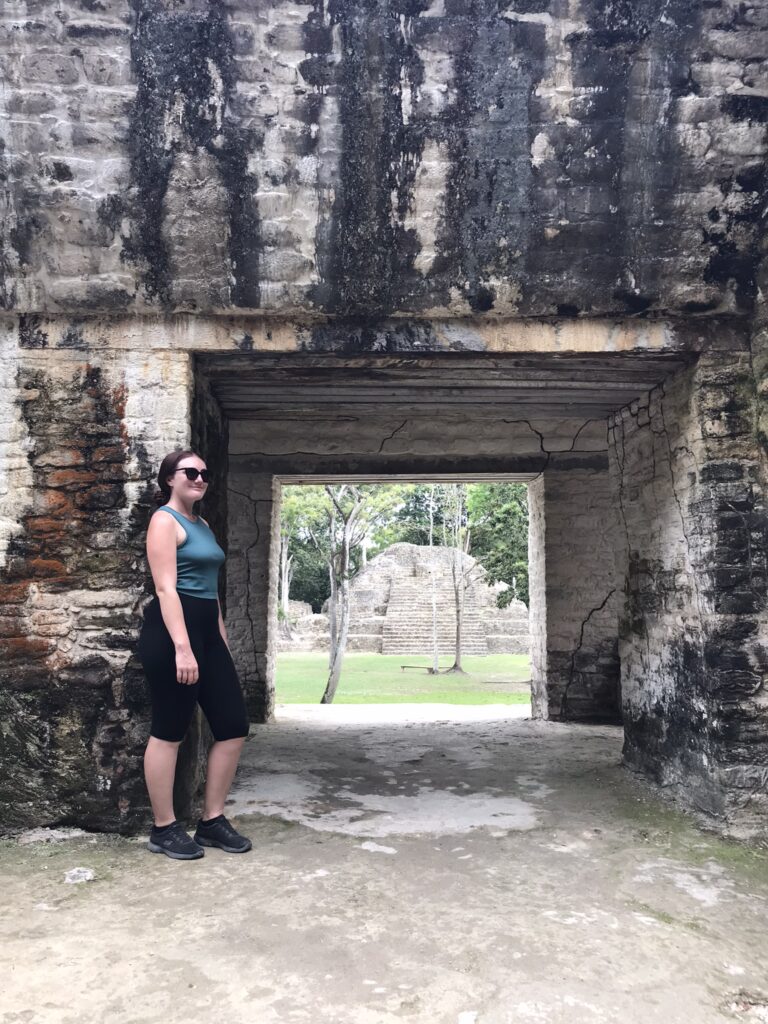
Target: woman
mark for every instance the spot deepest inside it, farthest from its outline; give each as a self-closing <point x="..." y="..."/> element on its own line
<point x="184" y="650"/>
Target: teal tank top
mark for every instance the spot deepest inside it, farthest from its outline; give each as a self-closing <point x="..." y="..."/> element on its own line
<point x="198" y="559"/>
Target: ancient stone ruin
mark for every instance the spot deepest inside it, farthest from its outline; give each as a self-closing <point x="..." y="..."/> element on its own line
<point x="383" y="240"/>
<point x="391" y="608"/>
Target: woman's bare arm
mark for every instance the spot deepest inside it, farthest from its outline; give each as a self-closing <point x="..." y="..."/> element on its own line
<point x="161" y="554"/>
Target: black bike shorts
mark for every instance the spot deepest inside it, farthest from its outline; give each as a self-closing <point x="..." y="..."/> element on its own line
<point x="217" y="689"/>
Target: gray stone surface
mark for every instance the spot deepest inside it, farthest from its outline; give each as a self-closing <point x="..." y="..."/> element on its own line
<point x="691" y="479"/>
<point x="536" y="159"/>
<point x="405" y="867"/>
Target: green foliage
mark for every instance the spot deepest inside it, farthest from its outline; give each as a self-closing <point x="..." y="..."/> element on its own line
<point x="498" y="517"/>
<point x="410" y="523"/>
<point x="310" y="575"/>
<point x="497" y="520"/>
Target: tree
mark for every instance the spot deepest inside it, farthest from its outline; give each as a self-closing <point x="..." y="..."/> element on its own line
<point x="309" y="581"/>
<point x="432" y="504"/>
<point x="337" y="524"/>
<point x="498" y="518"/>
<point x="344" y="532"/>
<point x="290" y="521"/>
<point x="456" y="534"/>
<point x="409" y="521"/>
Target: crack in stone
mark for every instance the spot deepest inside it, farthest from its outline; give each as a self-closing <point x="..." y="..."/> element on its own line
<point x="577" y="435"/>
<point x="390" y="436"/>
<point x="547" y="452"/>
<point x="621" y="461"/>
<point x="684" y="531"/>
<point x="594" y="611"/>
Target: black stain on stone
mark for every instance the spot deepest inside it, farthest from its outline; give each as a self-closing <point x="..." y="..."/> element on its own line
<point x="746" y="107"/>
<point x="97" y="297"/>
<point x="633" y="302"/>
<point x="246" y="343"/>
<point x="82" y="735"/>
<point x="692" y="306"/>
<point x="73" y="337"/>
<point x="486" y="216"/>
<point x="60" y="171"/>
<point x="481" y="298"/>
<point x="733" y="242"/>
<point x="354" y="336"/>
<point x="185" y="70"/>
<point x="31" y="334"/>
<point x="96" y="31"/>
<point x="365" y="252"/>
<point x="110" y="212"/>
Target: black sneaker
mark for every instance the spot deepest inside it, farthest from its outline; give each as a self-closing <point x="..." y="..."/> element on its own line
<point x="221" y="834"/>
<point x="174" y="842"/>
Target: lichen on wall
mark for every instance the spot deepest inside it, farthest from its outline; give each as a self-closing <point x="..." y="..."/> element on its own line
<point x="390" y="156"/>
<point x="75" y="706"/>
<point x="694" y="640"/>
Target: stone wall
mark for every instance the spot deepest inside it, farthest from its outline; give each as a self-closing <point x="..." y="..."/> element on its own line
<point x="357" y="158"/>
<point x="576" y="195"/>
<point x="74" y="711"/>
<point x="251" y="584"/>
<point x="575" y="591"/>
<point x="694" y="639"/>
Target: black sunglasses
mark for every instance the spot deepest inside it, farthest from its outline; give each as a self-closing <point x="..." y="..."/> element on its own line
<point x="193" y="474"/>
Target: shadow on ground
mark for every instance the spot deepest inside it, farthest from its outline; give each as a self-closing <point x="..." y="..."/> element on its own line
<point x="424" y="864"/>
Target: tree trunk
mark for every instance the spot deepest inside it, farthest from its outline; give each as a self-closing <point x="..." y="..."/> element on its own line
<point x="337" y="658"/>
<point x="332" y="617"/>
<point x="458" y="579"/>
<point x="285" y="576"/>
<point x="340" y="605"/>
<point x="435" y="651"/>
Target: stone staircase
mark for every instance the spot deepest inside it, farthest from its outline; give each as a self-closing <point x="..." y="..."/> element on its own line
<point x="391" y="610"/>
<point x="408" y="622"/>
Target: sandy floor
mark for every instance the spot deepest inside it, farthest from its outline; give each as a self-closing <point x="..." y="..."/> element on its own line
<point x="424" y="864"/>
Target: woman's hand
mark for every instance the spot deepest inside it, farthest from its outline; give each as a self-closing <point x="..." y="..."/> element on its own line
<point x="186" y="667"/>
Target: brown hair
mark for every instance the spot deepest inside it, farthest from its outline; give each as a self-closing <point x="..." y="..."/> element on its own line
<point x="167" y="466"/>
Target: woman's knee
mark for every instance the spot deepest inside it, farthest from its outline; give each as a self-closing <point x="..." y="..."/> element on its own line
<point x="236" y="740"/>
<point x="168" y="744"/>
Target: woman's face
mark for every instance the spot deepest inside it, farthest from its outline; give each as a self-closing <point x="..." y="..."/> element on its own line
<point x="181" y="487"/>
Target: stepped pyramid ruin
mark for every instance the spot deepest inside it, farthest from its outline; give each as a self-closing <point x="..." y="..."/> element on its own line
<point x="392" y="608"/>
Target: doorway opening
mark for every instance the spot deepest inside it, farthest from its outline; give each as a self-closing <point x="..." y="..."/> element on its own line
<point x="404" y="592"/>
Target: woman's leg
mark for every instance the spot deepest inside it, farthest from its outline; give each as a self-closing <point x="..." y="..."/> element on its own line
<point x="173" y="705"/>
<point x="222" y="765"/>
<point x="159" y="772"/>
<point x="221" y="699"/>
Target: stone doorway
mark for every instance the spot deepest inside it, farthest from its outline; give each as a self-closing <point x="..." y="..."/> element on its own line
<point x="610" y="445"/>
<point x="405" y="589"/>
<point x="647" y="481"/>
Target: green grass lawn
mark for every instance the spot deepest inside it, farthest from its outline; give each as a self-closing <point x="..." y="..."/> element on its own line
<point x="378" y="679"/>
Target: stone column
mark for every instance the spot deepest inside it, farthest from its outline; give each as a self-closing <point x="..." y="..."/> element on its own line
<point x="694" y="641"/>
<point x="574" y="591"/>
<point x="252" y="574"/>
<point x="89" y="426"/>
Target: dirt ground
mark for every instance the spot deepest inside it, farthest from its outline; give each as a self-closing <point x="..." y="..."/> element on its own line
<point x="424" y="864"/>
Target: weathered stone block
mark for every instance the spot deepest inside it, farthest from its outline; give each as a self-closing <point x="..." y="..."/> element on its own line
<point x="50" y="67"/>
